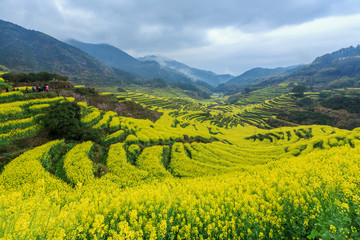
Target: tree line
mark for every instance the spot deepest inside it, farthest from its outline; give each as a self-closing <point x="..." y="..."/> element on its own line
<point x="33" y="77"/>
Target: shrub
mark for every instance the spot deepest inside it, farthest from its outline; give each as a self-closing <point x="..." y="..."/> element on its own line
<point x="120" y="89"/>
<point x="305" y="102"/>
<point x="299" y="91"/>
<point x="62" y="120"/>
<point x="93" y="135"/>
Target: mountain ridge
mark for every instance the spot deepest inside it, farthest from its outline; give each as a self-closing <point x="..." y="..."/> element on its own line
<point x="257" y="73"/>
<point x="338" y="69"/>
<point x="41" y="52"/>
<point x="255" y="76"/>
<point x="119" y="59"/>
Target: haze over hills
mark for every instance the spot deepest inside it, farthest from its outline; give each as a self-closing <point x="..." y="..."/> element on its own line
<point x="194" y="73"/>
<point x="26" y="50"/>
<point x="119" y="59"/>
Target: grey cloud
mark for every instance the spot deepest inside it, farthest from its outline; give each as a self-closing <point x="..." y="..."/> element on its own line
<point x="184" y="22"/>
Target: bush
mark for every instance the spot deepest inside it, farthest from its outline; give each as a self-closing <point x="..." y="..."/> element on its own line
<point x="62" y="120"/>
<point x="87" y="91"/>
<point x="299" y="91"/>
<point x="305" y="102"/>
<point x="120" y="89"/>
<point x="350" y="104"/>
<point x="90" y="134"/>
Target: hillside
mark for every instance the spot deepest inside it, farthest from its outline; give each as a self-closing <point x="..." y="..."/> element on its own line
<point x="340" y="69"/>
<point x="257" y="74"/>
<point x="40" y="52"/>
<point x="193" y="73"/>
<point x="331" y="71"/>
<point x="254" y="76"/>
<point x="26" y="50"/>
<point x="117" y="58"/>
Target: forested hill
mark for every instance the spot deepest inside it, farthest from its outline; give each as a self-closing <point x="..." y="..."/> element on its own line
<point x="338" y="69"/>
<point x="257" y="75"/>
<point x="334" y="70"/>
<point x="331" y="59"/>
<point x="26" y="50"/>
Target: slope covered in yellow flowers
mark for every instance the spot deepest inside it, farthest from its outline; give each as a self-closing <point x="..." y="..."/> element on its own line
<point x="180" y="177"/>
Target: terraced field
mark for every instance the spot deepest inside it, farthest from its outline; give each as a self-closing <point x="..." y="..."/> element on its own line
<point x="217" y="113"/>
<point x="264" y="94"/>
<point x="192" y="138"/>
<point x="201" y="171"/>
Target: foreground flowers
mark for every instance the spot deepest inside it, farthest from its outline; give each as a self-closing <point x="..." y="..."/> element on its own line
<point x="314" y="195"/>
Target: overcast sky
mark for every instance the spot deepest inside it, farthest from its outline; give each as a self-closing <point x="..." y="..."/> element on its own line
<point x="227" y="36"/>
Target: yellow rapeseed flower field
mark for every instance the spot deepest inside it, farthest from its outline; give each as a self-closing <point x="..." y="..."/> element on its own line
<point x="184" y="176"/>
<point x="289" y="198"/>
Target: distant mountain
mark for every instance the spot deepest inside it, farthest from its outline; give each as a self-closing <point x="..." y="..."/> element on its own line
<point x="193" y="73"/>
<point x="254" y="76"/>
<point x="338" y="69"/>
<point x="333" y="59"/>
<point x="31" y="51"/>
<point x="119" y="59"/>
<point x="257" y="74"/>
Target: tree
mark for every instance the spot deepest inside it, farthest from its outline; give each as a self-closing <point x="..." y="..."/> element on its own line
<point x="63" y="121"/>
<point x="299" y="91"/>
<point x="246" y="90"/>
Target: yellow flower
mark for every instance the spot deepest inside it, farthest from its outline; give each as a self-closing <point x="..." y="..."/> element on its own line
<point x="332" y="229"/>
